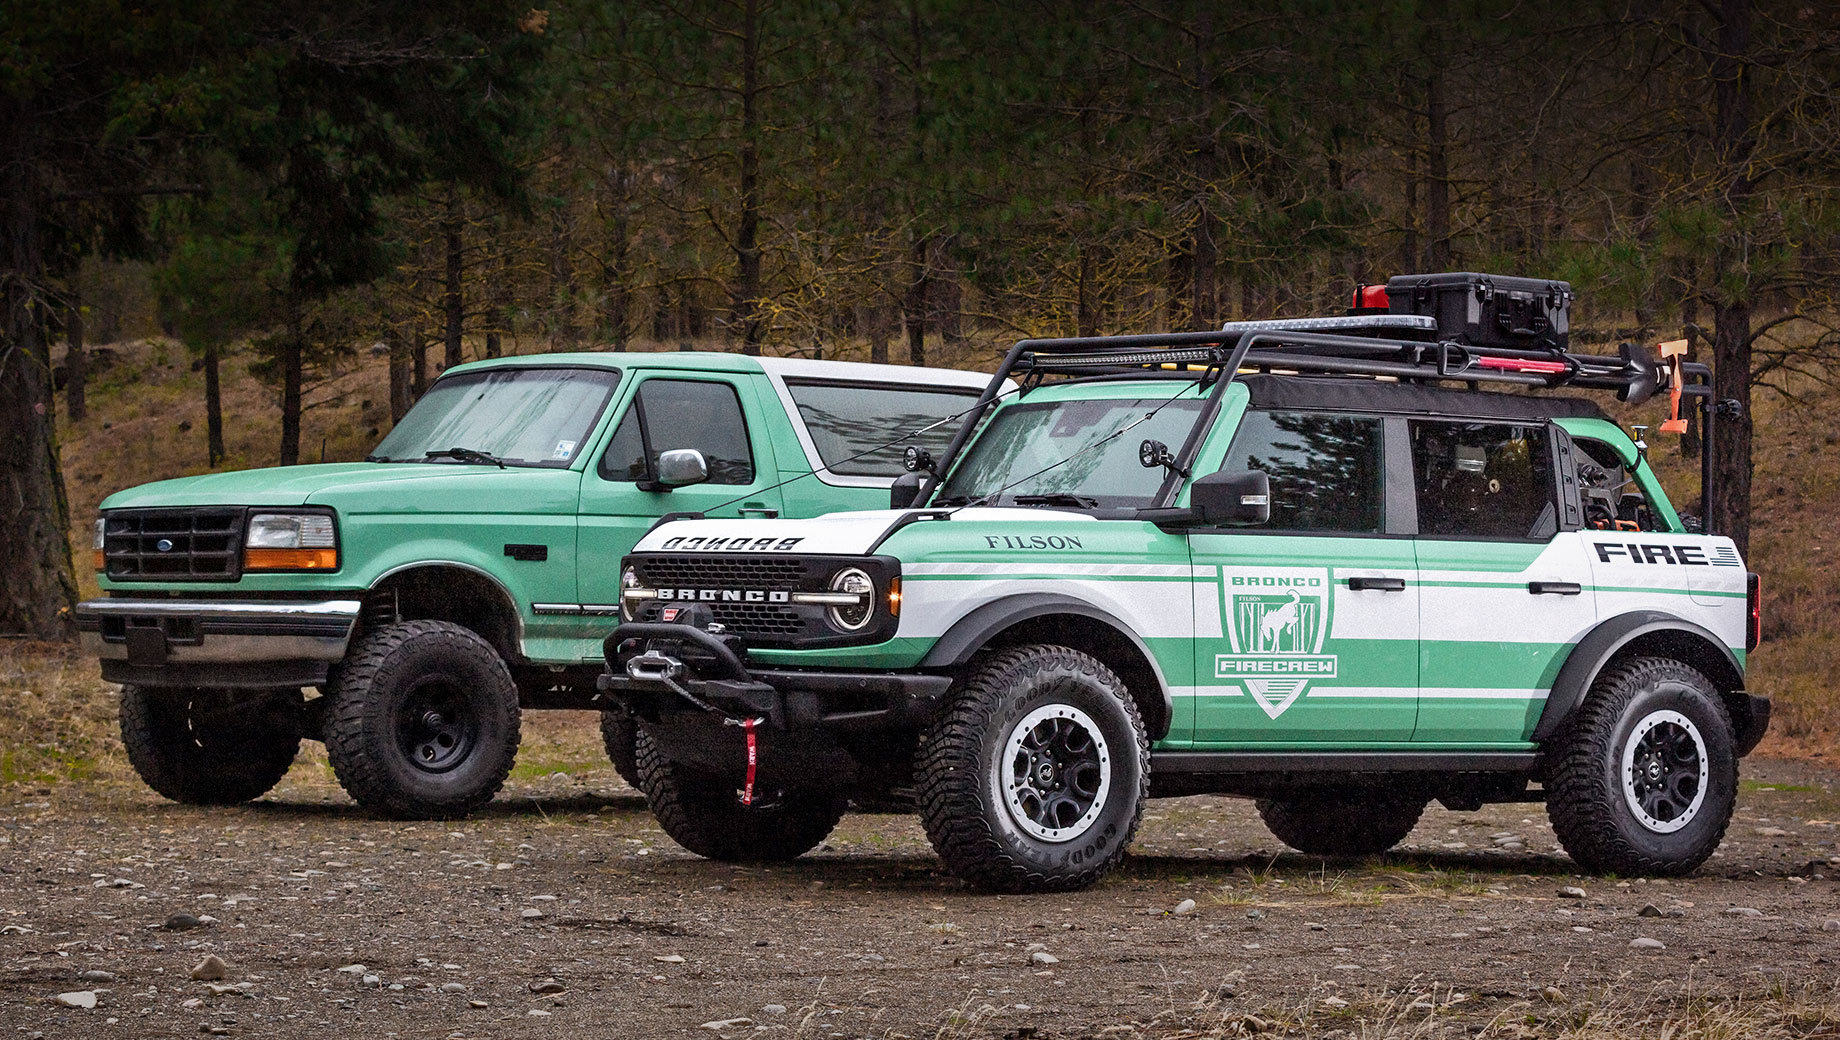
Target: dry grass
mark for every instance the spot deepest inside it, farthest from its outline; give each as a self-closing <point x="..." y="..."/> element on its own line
<point x="1424" y="1009"/>
<point x="58" y="722"/>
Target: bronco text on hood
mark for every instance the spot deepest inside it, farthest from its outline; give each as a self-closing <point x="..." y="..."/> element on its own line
<point x="1313" y="563"/>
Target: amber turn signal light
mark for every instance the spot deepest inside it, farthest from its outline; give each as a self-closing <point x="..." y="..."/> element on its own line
<point x="894" y="598"/>
<point x="290" y="559"/>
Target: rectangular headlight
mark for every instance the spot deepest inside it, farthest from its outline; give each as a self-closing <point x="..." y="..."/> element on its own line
<point x="290" y="542"/>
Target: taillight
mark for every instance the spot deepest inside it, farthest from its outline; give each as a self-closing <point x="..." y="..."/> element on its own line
<point x="1753" y="596"/>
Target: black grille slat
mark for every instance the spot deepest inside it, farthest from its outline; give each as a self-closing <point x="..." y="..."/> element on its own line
<point x="768" y="623"/>
<point x="206" y="544"/>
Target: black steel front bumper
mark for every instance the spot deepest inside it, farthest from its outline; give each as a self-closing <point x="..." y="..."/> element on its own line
<point x="651" y="666"/>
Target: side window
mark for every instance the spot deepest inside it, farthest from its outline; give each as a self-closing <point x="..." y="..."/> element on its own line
<point x="1484" y="480"/>
<point x="1325" y="470"/>
<point x="668" y="414"/>
<point x="849" y="420"/>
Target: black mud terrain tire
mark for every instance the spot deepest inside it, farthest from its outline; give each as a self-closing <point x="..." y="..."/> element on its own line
<point x="1646" y="772"/>
<point x="210" y="746"/>
<point x="1342" y="824"/>
<point x="705" y="815"/>
<point x="619" y="735"/>
<point x="423" y="721"/>
<point x="1034" y="776"/>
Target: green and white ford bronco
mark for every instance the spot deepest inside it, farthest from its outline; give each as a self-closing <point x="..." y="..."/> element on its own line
<point x="466" y="569"/>
<point x="1356" y="583"/>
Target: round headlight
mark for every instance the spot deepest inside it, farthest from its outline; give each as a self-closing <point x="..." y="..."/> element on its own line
<point x="629" y="580"/>
<point x="856" y="583"/>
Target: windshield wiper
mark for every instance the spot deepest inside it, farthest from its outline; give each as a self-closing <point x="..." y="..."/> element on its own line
<point x="465" y="455"/>
<point x="378" y="458"/>
<point x="1058" y="498"/>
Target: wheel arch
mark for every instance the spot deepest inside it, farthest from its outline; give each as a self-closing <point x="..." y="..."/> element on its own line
<point x="443" y="590"/>
<point x="1062" y="621"/>
<point x="1644" y="633"/>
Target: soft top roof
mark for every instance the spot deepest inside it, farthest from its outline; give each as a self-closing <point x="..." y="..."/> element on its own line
<point x="1355" y="394"/>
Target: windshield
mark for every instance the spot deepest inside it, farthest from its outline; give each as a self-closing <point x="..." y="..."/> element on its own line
<point x="848" y="422"/>
<point x="1015" y="461"/>
<point x="519" y="416"/>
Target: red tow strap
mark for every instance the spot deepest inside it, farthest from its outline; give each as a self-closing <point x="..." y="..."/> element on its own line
<point x="753" y="760"/>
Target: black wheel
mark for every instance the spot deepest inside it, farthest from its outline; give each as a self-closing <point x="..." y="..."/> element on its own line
<point x="210" y="746"/>
<point x="1034" y="777"/>
<point x="705" y="815"/>
<point x="618" y="736"/>
<point x="1647" y="771"/>
<point x="423" y="722"/>
<point x="1338" y="824"/>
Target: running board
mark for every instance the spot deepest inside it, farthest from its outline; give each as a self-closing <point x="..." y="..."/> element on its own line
<point x="1343" y="762"/>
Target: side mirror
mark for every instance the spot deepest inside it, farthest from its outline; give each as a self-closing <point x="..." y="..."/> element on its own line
<point x="680" y="467"/>
<point x="1238" y="499"/>
<point x="905" y="490"/>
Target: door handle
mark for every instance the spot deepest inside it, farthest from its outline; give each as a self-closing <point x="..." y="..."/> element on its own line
<point x="1377" y="584"/>
<point x="764" y="512"/>
<point x="1554" y="588"/>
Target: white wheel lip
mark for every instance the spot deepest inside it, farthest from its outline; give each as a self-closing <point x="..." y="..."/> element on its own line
<point x="1013" y="744"/>
<point x="1626" y="777"/>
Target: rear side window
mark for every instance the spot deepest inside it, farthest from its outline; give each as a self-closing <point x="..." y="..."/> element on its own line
<point x="669" y="414"/>
<point x="1325" y="470"/>
<point x="848" y="419"/>
<point x="1484" y="480"/>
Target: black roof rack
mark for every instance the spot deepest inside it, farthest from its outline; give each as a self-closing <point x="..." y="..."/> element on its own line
<point x="1405" y="348"/>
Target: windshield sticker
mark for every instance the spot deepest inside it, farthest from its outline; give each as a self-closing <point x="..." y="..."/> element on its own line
<point x="564" y="449"/>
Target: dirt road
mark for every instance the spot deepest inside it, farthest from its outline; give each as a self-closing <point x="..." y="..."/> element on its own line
<point x="332" y="924"/>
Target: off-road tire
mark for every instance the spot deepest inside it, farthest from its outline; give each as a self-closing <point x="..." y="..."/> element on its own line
<point x="705" y="815"/>
<point x="384" y="750"/>
<point x="1354" y="824"/>
<point x="1587" y="800"/>
<point x="619" y="735"/>
<point x="209" y="746"/>
<point x="965" y="783"/>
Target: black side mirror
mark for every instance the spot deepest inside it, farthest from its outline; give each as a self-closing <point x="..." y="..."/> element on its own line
<point x="1241" y="498"/>
<point x="905" y="490"/>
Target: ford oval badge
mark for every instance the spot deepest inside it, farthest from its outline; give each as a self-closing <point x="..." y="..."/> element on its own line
<point x="164" y="545"/>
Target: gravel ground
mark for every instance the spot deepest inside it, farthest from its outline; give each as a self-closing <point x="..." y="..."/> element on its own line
<point x="563" y="910"/>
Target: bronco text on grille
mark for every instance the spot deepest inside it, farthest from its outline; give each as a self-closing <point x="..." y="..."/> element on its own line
<point x="748" y="595"/>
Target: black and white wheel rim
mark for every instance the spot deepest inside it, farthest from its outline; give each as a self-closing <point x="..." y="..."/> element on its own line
<point x="1665" y="766"/>
<point x="1056" y="771"/>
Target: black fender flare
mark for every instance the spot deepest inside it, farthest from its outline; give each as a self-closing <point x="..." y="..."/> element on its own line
<point x="970" y="633"/>
<point x="1604" y="642"/>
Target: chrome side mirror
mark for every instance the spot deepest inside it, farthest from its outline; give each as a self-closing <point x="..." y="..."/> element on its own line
<point x="681" y="467"/>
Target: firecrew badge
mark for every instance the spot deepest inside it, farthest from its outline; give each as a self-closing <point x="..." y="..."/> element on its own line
<point x="1277" y="619"/>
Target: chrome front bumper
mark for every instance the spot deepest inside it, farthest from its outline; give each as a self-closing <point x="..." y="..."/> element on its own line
<point x="233" y="642"/>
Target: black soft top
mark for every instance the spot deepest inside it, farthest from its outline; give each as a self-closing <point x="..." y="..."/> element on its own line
<point x="1353" y="394"/>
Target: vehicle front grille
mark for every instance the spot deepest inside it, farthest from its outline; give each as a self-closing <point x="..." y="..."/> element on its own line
<point x="199" y="544"/>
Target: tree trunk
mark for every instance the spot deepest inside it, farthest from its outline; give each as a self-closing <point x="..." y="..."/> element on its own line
<point x="1731" y="344"/>
<point x="402" y="365"/>
<point x="619" y="248"/>
<point x="913" y="304"/>
<point x="744" y="303"/>
<point x="1437" y="172"/>
<point x="213" y="406"/>
<point x="293" y="352"/>
<point x="75" y="363"/>
<point x="1204" y="256"/>
<point x="37" y="587"/>
<point x="563" y="289"/>
<point x="453" y="304"/>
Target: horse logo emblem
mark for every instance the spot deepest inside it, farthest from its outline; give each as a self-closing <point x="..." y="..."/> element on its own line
<point x="1277" y="621"/>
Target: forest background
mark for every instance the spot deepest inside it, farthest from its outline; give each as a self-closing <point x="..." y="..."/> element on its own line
<point x="282" y="196"/>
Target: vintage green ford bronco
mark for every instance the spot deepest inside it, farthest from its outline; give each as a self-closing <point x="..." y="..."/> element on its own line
<point x="1311" y="563"/>
<point x="467" y="567"/>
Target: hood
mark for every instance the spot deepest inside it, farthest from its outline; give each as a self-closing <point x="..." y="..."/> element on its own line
<point x="329" y="483"/>
<point x="837" y="534"/>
